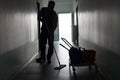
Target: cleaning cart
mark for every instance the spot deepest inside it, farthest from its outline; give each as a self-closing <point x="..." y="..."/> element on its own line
<point x="79" y="56"/>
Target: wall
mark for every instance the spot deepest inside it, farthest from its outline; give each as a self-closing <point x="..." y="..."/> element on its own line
<point x="44" y="3"/>
<point x="18" y="35"/>
<point x="99" y="25"/>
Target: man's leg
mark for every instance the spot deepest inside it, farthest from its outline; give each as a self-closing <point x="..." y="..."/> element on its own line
<point x="43" y="42"/>
<point x="50" y="49"/>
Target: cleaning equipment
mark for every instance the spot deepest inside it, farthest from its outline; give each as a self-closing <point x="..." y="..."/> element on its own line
<point x="80" y="56"/>
<point x="60" y="66"/>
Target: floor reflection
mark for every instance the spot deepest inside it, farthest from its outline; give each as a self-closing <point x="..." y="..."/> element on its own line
<point x="36" y="71"/>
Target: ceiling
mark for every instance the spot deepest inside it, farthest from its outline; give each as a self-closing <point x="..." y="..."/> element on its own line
<point x="62" y="6"/>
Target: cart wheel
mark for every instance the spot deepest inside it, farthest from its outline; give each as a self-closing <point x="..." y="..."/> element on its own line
<point x="73" y="69"/>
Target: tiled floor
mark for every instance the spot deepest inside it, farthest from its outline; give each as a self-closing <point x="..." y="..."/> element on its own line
<point x="36" y="71"/>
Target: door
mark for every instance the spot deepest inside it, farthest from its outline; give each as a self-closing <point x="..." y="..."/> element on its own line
<point x="65" y="24"/>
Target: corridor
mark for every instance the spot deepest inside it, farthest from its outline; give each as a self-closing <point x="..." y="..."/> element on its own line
<point x="95" y="24"/>
<point x="37" y="71"/>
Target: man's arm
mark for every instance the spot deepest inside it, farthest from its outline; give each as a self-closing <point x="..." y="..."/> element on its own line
<point x="54" y="25"/>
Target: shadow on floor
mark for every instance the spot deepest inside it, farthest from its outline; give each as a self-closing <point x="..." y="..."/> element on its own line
<point x="37" y="71"/>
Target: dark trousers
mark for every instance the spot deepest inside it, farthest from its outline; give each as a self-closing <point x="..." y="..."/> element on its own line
<point x="44" y="37"/>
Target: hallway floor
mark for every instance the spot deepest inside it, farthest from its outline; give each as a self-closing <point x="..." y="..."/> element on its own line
<point x="37" y="71"/>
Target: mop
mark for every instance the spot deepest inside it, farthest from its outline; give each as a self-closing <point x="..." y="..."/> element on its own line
<point x="60" y="66"/>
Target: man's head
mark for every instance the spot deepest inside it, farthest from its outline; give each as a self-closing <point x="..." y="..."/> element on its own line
<point x="51" y="5"/>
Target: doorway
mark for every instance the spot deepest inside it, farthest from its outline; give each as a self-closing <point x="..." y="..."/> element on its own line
<point x="65" y="24"/>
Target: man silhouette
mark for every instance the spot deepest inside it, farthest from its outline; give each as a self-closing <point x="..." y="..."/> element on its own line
<point x="49" y="20"/>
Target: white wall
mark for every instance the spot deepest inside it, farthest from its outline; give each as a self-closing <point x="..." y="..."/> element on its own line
<point x="99" y="25"/>
<point x="18" y="35"/>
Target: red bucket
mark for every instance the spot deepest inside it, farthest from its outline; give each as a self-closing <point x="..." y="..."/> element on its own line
<point x="90" y="54"/>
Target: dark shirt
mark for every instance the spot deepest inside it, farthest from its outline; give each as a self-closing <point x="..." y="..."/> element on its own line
<point x="48" y="17"/>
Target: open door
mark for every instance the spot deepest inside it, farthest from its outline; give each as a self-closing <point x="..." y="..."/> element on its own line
<point x="65" y="25"/>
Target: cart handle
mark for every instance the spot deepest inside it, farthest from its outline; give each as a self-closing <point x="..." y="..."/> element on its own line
<point x="66" y="42"/>
<point x="64" y="47"/>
